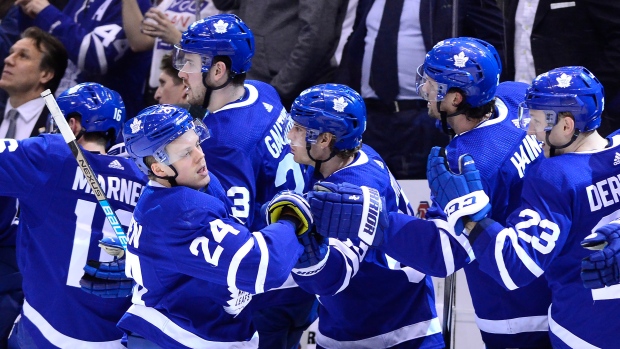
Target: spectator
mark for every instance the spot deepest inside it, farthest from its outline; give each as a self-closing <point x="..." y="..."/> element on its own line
<point x="546" y="34"/>
<point x="35" y="63"/>
<point x="295" y="41"/>
<point x="160" y="28"/>
<point x="94" y="37"/>
<point x="170" y="89"/>
<point x="389" y="41"/>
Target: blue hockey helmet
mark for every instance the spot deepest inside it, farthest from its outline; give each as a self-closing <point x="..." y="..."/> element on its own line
<point x="100" y="109"/>
<point x="154" y="128"/>
<point x="567" y="89"/>
<point x="332" y="108"/>
<point x="470" y="64"/>
<point x="218" y="35"/>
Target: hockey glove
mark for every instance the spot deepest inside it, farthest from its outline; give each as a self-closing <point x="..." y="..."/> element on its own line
<point x="315" y="252"/>
<point x="601" y="268"/>
<point x="460" y="195"/>
<point x="345" y="211"/>
<point x="106" y="279"/>
<point x="293" y="206"/>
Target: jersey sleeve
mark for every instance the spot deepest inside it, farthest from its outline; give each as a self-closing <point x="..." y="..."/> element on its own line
<point x="516" y="254"/>
<point x="90" y="50"/>
<point x="23" y="169"/>
<point x="430" y="246"/>
<point x="218" y="249"/>
<point x="343" y="262"/>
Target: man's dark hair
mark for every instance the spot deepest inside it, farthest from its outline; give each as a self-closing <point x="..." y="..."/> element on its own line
<point x="54" y="54"/>
<point x="475" y="113"/>
<point x="167" y="67"/>
<point x="239" y="79"/>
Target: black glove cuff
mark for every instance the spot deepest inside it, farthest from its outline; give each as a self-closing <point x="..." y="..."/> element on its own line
<point x="479" y="228"/>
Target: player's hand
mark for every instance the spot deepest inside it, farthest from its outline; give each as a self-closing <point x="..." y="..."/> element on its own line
<point x="460" y="195"/>
<point x="346" y="211"/>
<point x="315" y="253"/>
<point x="156" y="24"/>
<point x="32" y="7"/>
<point x="601" y="268"/>
<point x="106" y="279"/>
<point x="293" y="206"/>
<point x="112" y="246"/>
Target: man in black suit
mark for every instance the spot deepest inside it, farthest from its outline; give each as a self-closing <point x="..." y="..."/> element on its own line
<point x="389" y="41"/>
<point x="565" y="33"/>
<point x="35" y="63"/>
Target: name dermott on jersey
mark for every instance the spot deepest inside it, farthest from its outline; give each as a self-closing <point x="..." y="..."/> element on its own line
<point x="115" y="188"/>
<point x="276" y="139"/>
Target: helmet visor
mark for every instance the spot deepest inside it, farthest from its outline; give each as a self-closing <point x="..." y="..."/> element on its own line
<point x="427" y="88"/>
<point x="191" y="62"/>
<point x="534" y="120"/>
<point x="197" y="131"/>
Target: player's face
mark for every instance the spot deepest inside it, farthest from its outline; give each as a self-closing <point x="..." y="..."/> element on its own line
<point x="188" y="159"/>
<point x="22" y="68"/>
<point x="539" y="125"/>
<point x="297" y="136"/>
<point x="194" y="88"/>
<point x="429" y="91"/>
<point x="168" y="91"/>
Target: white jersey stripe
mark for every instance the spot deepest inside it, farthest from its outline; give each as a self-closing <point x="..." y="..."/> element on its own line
<point x="181" y="335"/>
<point x="512" y="326"/>
<point x="566" y="336"/>
<point x="61" y="340"/>
<point x="386" y="340"/>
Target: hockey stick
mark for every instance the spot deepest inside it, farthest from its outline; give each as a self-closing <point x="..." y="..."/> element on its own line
<point x="91" y="177"/>
<point x="448" y="301"/>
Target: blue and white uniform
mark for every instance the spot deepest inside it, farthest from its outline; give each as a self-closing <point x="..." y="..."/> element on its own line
<point x="191" y="260"/>
<point x="565" y="198"/>
<point x="249" y="152"/>
<point x="92" y="32"/>
<point x="503" y="153"/>
<point x="367" y="300"/>
<point x="61" y="223"/>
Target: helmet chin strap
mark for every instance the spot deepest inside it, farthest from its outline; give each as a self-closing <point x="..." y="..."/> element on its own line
<point x="444" y="119"/>
<point x="552" y="147"/>
<point x="207" y="98"/>
<point x="317" y="163"/>
<point x="171" y="179"/>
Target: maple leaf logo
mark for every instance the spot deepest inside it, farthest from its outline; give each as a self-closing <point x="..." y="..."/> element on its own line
<point x="221" y="27"/>
<point x="460" y="60"/>
<point x="564" y="80"/>
<point x="340" y="104"/>
<point x="135" y="125"/>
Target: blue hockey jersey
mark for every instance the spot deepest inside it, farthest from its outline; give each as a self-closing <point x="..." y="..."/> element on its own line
<point x="249" y="152"/>
<point x="92" y="32"/>
<point x="61" y="223"/>
<point x="196" y="268"/>
<point x="502" y="153"/>
<point x="366" y="299"/>
<point x="565" y="198"/>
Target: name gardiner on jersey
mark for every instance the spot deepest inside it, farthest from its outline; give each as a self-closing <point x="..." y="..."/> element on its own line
<point x="276" y="140"/>
<point x="604" y="193"/>
<point x="529" y="150"/>
<point x="115" y="188"/>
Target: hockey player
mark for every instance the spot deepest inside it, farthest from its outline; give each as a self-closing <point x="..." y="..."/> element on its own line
<point x="247" y="151"/>
<point x="565" y="197"/>
<point x="62" y="222"/>
<point x="196" y="267"/>
<point x="399" y="312"/>
<point x="602" y="268"/>
<point x="459" y="78"/>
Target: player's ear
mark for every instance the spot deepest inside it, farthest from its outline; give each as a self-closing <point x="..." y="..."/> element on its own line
<point x="75" y="125"/>
<point x="158" y="169"/>
<point x="568" y="124"/>
<point x="325" y="139"/>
